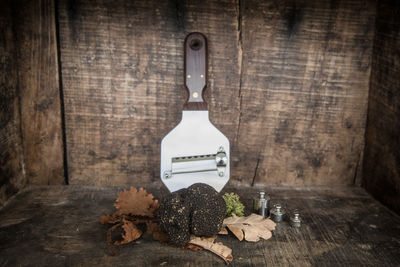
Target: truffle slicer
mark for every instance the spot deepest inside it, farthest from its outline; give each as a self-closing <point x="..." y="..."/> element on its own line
<point x="195" y="151"/>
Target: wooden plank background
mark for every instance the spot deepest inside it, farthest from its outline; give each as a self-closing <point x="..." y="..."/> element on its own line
<point x="382" y="153"/>
<point x="122" y="67"/>
<point x="304" y="91"/>
<point x="288" y="85"/>
<point x="31" y="150"/>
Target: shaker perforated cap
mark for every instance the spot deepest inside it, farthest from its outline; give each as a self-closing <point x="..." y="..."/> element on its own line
<point x="277" y="213"/>
<point x="295" y="220"/>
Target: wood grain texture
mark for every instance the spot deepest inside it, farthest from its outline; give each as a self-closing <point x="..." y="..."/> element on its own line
<point x="122" y="65"/>
<point x="304" y="91"/>
<point x="288" y="85"/>
<point x="40" y="96"/>
<point x="59" y="225"/>
<point x="382" y="153"/>
<point x="32" y="148"/>
<point x="12" y="169"/>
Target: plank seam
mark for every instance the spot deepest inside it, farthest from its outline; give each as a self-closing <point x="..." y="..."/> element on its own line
<point x="255" y="171"/>
<point x="240" y="65"/>
<point x="367" y="115"/>
<point x="61" y="89"/>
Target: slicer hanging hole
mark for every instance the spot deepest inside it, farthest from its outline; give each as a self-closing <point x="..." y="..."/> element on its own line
<point x="195" y="95"/>
<point x="195" y="44"/>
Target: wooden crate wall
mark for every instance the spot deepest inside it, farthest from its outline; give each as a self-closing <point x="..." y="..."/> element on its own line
<point x="382" y="154"/>
<point x="288" y="84"/>
<point x="31" y="150"/>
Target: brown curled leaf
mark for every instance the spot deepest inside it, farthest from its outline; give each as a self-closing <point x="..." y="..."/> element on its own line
<point x="223" y="231"/>
<point x="192" y="247"/>
<point x="217" y="248"/>
<point x="131" y="233"/>
<point x="110" y="219"/>
<point x="109" y="240"/>
<point x="136" y="202"/>
<point x="250" y="228"/>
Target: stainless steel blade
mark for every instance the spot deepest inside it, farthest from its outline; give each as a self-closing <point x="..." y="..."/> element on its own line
<point x="195" y="135"/>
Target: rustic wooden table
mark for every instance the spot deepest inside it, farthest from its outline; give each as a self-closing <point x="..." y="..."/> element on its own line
<point x="58" y="225"/>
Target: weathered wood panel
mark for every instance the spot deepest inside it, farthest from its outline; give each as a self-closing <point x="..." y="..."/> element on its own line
<point x="12" y="175"/>
<point x="58" y="226"/>
<point x="39" y="89"/>
<point x="288" y="86"/>
<point x="381" y="174"/>
<point x="31" y="136"/>
<point x="122" y="65"/>
<point x="304" y="91"/>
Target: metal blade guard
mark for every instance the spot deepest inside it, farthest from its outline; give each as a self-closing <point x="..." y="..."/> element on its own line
<point x="195" y="152"/>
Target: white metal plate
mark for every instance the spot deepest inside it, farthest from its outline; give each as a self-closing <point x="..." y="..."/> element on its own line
<point x="194" y="135"/>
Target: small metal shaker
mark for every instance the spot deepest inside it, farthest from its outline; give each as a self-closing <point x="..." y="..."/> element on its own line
<point x="277" y="213"/>
<point x="261" y="205"/>
<point x="295" y="220"/>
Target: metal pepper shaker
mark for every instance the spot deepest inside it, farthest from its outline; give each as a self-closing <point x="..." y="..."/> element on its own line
<point x="261" y="205"/>
<point x="295" y="220"/>
<point x="277" y="213"/>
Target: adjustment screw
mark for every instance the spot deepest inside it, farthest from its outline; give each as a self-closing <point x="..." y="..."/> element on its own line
<point x="167" y="175"/>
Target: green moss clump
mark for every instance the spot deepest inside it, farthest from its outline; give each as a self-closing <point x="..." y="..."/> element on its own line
<point x="233" y="205"/>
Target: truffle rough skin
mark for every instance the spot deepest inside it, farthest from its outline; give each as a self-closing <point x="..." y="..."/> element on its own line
<point x="207" y="210"/>
<point x="174" y="218"/>
<point x="198" y="210"/>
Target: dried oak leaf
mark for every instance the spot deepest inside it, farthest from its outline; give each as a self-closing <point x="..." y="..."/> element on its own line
<point x="155" y="230"/>
<point x="217" y="248"/>
<point x="131" y="233"/>
<point x="134" y="202"/>
<point x="251" y="228"/>
<point x="223" y="231"/>
<point x="111" y="219"/>
<point x="192" y="247"/>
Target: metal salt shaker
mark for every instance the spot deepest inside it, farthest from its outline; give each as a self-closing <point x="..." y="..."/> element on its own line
<point x="261" y="205"/>
<point x="277" y="213"/>
<point x="295" y="220"/>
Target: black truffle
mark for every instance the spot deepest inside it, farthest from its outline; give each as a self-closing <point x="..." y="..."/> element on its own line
<point x="197" y="210"/>
<point x="207" y="210"/>
<point x="174" y="218"/>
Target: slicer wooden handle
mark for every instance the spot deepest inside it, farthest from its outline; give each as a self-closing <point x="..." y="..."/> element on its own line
<point x="195" y="70"/>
